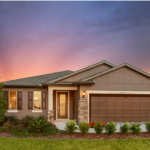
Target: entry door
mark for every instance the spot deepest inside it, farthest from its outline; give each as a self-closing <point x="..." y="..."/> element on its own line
<point x="62" y="105"/>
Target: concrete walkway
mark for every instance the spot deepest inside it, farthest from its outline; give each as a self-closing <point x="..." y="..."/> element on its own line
<point x="61" y="126"/>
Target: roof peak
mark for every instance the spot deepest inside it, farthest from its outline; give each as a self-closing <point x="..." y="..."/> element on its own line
<point x="84" y="69"/>
<point x="115" y="68"/>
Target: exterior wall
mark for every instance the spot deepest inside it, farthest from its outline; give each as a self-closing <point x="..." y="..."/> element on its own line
<point x="87" y="73"/>
<point x="123" y="79"/>
<point x="21" y="113"/>
<point x="83" y="111"/>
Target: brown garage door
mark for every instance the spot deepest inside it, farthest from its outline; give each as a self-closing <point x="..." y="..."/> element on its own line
<point x="120" y="108"/>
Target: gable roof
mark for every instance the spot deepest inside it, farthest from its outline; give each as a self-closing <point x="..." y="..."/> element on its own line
<point x="115" y="68"/>
<point x="83" y="69"/>
<point x="36" y="80"/>
<point x="70" y="83"/>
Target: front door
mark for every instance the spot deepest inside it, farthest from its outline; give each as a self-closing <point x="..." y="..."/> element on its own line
<point x="62" y="105"/>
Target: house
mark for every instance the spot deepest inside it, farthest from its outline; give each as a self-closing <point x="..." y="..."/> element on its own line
<point x="100" y="92"/>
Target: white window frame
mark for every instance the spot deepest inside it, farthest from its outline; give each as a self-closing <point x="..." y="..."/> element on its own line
<point x="37" y="110"/>
<point x="16" y="101"/>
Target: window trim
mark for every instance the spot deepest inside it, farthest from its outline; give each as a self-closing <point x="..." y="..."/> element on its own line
<point x="12" y="111"/>
<point x="16" y="100"/>
<point x="37" y="110"/>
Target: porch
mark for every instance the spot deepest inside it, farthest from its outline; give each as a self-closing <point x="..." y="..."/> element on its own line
<point x="62" y="104"/>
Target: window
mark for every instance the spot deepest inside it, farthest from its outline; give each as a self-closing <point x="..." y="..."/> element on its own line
<point x="62" y="104"/>
<point x="13" y="100"/>
<point x="37" y="100"/>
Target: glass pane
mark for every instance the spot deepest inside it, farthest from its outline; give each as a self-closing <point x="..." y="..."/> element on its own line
<point x="37" y="104"/>
<point x="62" y="104"/>
<point x="13" y="105"/>
<point x="13" y="95"/>
<point x="37" y="95"/>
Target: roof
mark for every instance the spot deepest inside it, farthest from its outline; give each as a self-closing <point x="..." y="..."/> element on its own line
<point x="115" y="68"/>
<point x="36" y="80"/>
<point x="83" y="69"/>
<point x="52" y="78"/>
<point x="71" y="83"/>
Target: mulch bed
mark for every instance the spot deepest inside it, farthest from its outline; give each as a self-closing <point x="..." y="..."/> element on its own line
<point x="80" y="136"/>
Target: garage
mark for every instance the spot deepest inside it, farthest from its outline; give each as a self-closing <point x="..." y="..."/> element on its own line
<point x="119" y="108"/>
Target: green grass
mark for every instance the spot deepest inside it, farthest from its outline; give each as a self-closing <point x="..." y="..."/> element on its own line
<point x="47" y="144"/>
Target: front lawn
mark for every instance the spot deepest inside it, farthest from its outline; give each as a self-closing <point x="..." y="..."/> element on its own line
<point x="48" y="144"/>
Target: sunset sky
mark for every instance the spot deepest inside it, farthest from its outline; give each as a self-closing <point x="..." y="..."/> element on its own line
<point x="44" y="37"/>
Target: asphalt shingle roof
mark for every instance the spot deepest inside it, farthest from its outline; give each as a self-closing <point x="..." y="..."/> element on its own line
<point x="71" y="83"/>
<point x="37" y="80"/>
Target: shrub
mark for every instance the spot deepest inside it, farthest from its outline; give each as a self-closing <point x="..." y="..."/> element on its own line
<point x="4" y="129"/>
<point x="16" y="130"/>
<point x="104" y="123"/>
<point x="62" y="131"/>
<point x="125" y="128"/>
<point x="110" y="127"/>
<point x="24" y="133"/>
<point x="98" y="127"/>
<point x="135" y="128"/>
<point x="147" y="125"/>
<point x="8" y="124"/>
<point x="37" y="125"/>
<point x="50" y="129"/>
<point x="91" y="124"/>
<point x="3" y="104"/>
<point x="84" y="127"/>
<point x="71" y="126"/>
<point x="40" y="117"/>
<point x="11" y="119"/>
<point x="25" y="120"/>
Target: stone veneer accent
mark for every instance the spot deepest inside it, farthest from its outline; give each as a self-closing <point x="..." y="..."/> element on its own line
<point x="83" y="111"/>
<point x="50" y="116"/>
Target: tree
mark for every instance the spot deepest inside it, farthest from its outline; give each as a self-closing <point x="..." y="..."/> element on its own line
<point x="3" y="103"/>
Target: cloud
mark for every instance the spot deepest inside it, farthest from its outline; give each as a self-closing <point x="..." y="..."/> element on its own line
<point x="126" y="16"/>
<point x="58" y="34"/>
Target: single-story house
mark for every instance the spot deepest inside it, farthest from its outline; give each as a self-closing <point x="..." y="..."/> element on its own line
<point x="101" y="92"/>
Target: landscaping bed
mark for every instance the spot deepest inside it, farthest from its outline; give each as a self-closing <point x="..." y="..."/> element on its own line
<point x="30" y="127"/>
<point x="80" y="136"/>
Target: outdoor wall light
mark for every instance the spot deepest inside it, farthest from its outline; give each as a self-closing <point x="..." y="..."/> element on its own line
<point x="83" y="95"/>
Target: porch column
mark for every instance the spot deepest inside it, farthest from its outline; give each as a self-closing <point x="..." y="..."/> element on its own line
<point x="50" y="105"/>
<point x="50" y="99"/>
